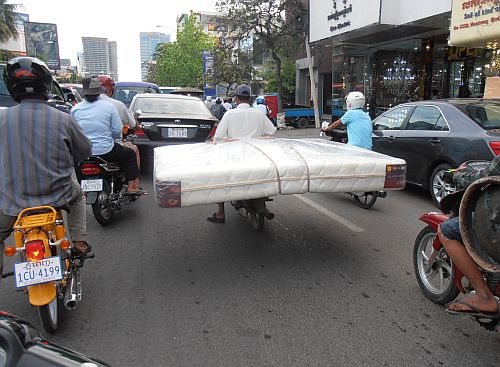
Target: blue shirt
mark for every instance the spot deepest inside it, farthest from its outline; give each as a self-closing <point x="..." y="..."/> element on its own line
<point x="100" y="122"/>
<point x="359" y="128"/>
<point x="39" y="146"/>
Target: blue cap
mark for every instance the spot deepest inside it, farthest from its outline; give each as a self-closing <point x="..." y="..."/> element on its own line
<point x="243" y="90"/>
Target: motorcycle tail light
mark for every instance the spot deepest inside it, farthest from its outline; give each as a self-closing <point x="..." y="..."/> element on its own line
<point x="139" y="132"/>
<point x="90" y="169"/>
<point x="495" y="146"/>
<point x="212" y="132"/>
<point x="9" y="251"/>
<point x="35" y="250"/>
<point x="65" y="244"/>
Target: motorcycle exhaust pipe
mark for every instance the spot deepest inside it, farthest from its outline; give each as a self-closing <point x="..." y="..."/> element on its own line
<point x="73" y="292"/>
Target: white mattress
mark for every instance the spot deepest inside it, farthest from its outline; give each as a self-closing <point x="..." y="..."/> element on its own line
<point x="206" y="173"/>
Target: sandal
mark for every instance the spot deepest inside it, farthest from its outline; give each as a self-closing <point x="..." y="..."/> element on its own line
<point x="138" y="192"/>
<point x="78" y="251"/>
<point x="216" y="219"/>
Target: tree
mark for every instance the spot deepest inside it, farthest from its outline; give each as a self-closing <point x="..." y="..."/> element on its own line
<point x="7" y="21"/>
<point x="180" y="63"/>
<point x="287" y="77"/>
<point x="271" y="22"/>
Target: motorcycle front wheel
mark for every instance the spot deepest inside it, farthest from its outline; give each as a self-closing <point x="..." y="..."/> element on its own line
<point x="367" y="200"/>
<point x="102" y="212"/>
<point x="257" y="220"/>
<point x="50" y="315"/>
<point x="436" y="282"/>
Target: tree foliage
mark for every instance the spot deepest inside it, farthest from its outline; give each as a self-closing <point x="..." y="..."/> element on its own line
<point x="288" y="79"/>
<point x="180" y="63"/>
<point x="232" y="64"/>
<point x="271" y="22"/>
<point x="7" y="21"/>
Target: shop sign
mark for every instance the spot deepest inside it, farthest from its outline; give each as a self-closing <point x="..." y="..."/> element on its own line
<point x="456" y="53"/>
<point x="330" y="18"/>
<point x="475" y="23"/>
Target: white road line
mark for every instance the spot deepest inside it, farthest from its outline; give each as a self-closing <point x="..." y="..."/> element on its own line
<point x="330" y="214"/>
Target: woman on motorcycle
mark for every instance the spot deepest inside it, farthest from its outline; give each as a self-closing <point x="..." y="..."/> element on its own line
<point x="482" y="302"/>
<point x="101" y="123"/>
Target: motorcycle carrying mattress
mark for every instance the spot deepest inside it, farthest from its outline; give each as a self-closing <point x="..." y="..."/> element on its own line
<point x="206" y="173"/>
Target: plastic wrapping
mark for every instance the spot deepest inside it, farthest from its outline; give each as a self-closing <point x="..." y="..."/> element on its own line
<point x="196" y="174"/>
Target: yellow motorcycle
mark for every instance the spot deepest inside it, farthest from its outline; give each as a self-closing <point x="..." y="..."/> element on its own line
<point x="46" y="268"/>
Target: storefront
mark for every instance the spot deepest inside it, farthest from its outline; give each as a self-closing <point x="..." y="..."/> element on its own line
<point x="397" y="51"/>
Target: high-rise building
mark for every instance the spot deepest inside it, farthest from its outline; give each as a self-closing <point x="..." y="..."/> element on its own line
<point x="100" y="57"/>
<point x="149" y="41"/>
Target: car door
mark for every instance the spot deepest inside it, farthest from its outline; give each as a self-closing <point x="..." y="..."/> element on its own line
<point x="386" y="129"/>
<point x="420" y="141"/>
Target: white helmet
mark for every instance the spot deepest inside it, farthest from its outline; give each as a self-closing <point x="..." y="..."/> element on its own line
<point x="209" y="98"/>
<point x="355" y="100"/>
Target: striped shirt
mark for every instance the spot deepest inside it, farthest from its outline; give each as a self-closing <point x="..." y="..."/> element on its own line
<point x="38" y="147"/>
<point x="466" y="178"/>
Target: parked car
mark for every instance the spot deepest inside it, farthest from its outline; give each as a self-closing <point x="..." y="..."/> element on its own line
<point x="56" y="97"/>
<point x="171" y="119"/>
<point x="22" y="346"/>
<point x="433" y="136"/>
<point x="125" y="91"/>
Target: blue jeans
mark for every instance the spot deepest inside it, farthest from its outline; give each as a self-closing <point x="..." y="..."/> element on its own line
<point x="451" y="229"/>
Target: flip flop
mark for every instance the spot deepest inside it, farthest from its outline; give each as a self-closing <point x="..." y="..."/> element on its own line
<point x="214" y="219"/>
<point x="474" y="311"/>
<point x="138" y="192"/>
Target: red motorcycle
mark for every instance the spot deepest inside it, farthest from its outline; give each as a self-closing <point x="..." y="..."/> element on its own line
<point x="479" y="210"/>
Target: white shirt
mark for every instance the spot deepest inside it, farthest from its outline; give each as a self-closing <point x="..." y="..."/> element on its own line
<point x="227" y="106"/>
<point x="244" y="122"/>
<point x="124" y="113"/>
<point x="263" y="108"/>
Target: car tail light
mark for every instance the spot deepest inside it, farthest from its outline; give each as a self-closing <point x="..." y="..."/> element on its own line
<point x="495" y="146"/>
<point x="212" y="132"/>
<point x="90" y="169"/>
<point x="35" y="250"/>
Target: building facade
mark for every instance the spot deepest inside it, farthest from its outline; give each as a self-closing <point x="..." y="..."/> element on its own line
<point x="393" y="51"/>
<point x="149" y="42"/>
<point x="100" y="57"/>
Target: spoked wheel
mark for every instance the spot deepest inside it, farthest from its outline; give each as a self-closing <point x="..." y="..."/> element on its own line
<point x="50" y="315"/>
<point x="102" y="212"/>
<point x="436" y="282"/>
<point x="257" y="220"/>
<point x="438" y="187"/>
<point x="366" y="200"/>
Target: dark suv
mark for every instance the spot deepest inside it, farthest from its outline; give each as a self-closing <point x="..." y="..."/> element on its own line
<point x="56" y="100"/>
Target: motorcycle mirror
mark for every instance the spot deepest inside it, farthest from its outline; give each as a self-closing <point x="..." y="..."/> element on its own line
<point x="137" y="113"/>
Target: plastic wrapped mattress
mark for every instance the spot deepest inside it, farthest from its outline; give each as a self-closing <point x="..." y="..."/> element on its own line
<point x="206" y="173"/>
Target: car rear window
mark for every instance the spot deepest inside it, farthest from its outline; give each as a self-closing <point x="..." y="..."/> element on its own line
<point x="171" y="106"/>
<point x="485" y="113"/>
<point x="126" y="94"/>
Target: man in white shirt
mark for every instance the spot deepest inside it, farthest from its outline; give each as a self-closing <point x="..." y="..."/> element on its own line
<point x="126" y="117"/>
<point x="240" y="123"/>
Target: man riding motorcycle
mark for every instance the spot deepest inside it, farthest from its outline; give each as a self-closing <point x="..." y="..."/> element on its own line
<point x="482" y="302"/>
<point x="39" y="147"/>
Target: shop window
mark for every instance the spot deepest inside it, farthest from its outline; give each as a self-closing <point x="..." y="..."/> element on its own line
<point x="424" y="118"/>
<point x="393" y="119"/>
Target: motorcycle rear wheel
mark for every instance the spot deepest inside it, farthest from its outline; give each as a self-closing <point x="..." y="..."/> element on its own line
<point x="102" y="212"/>
<point x="257" y="220"/>
<point x="444" y="289"/>
<point x="367" y="200"/>
<point x="50" y="315"/>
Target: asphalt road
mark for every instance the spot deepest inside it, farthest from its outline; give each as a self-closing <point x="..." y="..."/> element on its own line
<point x="325" y="284"/>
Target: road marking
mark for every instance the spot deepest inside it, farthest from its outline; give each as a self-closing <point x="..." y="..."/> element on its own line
<point x="330" y="214"/>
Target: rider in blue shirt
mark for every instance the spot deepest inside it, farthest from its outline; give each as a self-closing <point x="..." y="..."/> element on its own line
<point x="357" y="121"/>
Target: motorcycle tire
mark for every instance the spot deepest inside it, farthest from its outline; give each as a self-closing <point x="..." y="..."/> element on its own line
<point x="257" y="220"/>
<point x="367" y="200"/>
<point x="444" y="290"/>
<point x="102" y="212"/>
<point x="50" y="315"/>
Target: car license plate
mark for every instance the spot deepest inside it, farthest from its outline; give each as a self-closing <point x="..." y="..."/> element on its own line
<point x="177" y="132"/>
<point x="43" y="271"/>
<point x="91" y="185"/>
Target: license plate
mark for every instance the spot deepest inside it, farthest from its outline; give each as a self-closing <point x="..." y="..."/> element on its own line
<point x="91" y="185"/>
<point x="177" y="132"/>
<point x="31" y="273"/>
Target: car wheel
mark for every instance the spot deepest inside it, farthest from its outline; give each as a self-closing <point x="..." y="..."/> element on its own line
<point x="437" y="186"/>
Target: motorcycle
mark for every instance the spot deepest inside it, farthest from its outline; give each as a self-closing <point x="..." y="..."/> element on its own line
<point x="364" y="200"/>
<point x="105" y="187"/>
<point x="47" y="266"/>
<point x="437" y="276"/>
<point x="255" y="209"/>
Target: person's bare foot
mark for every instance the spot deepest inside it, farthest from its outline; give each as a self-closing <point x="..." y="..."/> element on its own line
<point x="82" y="246"/>
<point x="474" y="303"/>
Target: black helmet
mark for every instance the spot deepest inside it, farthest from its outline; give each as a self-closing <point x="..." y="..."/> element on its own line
<point x="25" y="76"/>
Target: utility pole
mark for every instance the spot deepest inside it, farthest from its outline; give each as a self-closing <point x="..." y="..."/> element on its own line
<point x="313" y="84"/>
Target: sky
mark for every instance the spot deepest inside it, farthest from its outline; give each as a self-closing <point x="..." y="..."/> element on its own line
<point x="117" y="20"/>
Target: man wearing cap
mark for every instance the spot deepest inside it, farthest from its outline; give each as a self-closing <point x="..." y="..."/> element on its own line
<point x="242" y="122"/>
